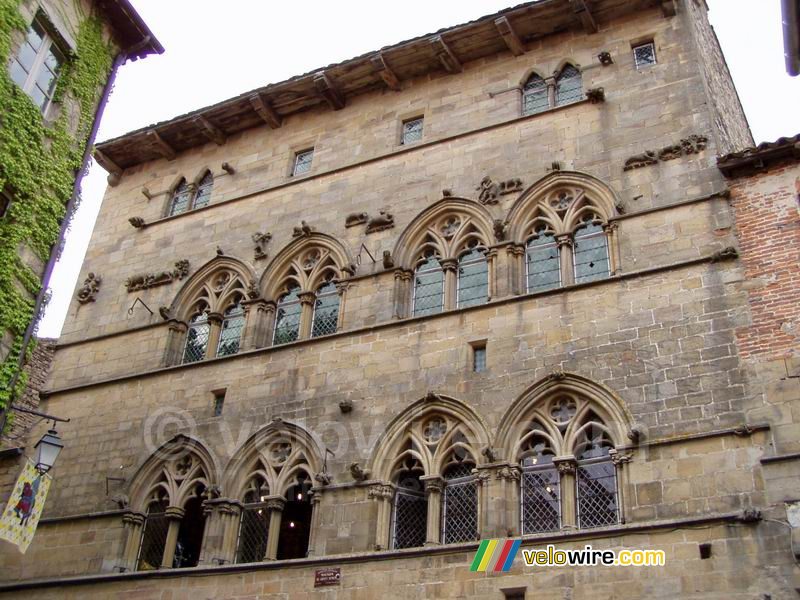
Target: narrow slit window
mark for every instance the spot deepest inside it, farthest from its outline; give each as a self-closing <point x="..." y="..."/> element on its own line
<point x="412" y="130"/>
<point x="219" y="402"/>
<point x="569" y="87"/>
<point x="644" y="55"/>
<point x="479" y="359"/>
<point x="534" y="96"/>
<point x="302" y="162"/>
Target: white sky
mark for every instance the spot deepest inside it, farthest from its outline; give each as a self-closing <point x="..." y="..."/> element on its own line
<point x="216" y="50"/>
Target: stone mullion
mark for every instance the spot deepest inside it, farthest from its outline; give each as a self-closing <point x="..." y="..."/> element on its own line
<point x="434" y="488"/>
<point x="450" y="268"/>
<point x="275" y="506"/>
<point x="218" y="512"/>
<point x="307" y="301"/>
<point x="214" y="330"/>
<point x="497" y="266"/>
<point x="231" y="517"/>
<point x="402" y="293"/>
<point x="133" y="522"/>
<point x="257" y="315"/>
<point x="174" y="514"/>
<point x="612" y="239"/>
<point x="342" y="287"/>
<point x="383" y="495"/>
<point x="507" y="499"/>
<point x="485" y="492"/>
<point x="565" y="256"/>
<point x="316" y="519"/>
<point x="566" y="466"/>
<point x="621" y="460"/>
<point x="176" y="340"/>
<point x="551" y="90"/>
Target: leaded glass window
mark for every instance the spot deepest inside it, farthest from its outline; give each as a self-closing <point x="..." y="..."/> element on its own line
<point x="180" y="199"/>
<point x="36" y="65"/>
<point x="196" y="338"/>
<point x="326" y="310"/>
<point x="473" y="278"/>
<point x="597" y="493"/>
<point x="644" y="55"/>
<point x="154" y="537"/>
<point x="569" y="87"/>
<point x="203" y="194"/>
<point x="534" y="96"/>
<point x="287" y="317"/>
<point x="231" y="333"/>
<point x="591" y="252"/>
<point x="542" y="262"/>
<point x="302" y="162"/>
<point x="460" y="504"/>
<point x="412" y="130"/>
<point x="253" y="529"/>
<point x="429" y="287"/>
<point x="410" y="514"/>
<point x="541" y="500"/>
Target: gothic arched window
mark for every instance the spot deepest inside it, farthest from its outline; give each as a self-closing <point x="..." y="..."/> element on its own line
<point x="596" y="476"/>
<point x="410" y="506"/>
<point x="326" y="310"/>
<point x="190" y="196"/>
<point x="203" y="194"/>
<point x="569" y="87"/>
<point x="535" y="97"/>
<point x="460" y="501"/>
<point x="180" y="198"/>
<point x="287" y="317"/>
<point x="473" y="277"/>
<point x="591" y="251"/>
<point x="230" y="335"/>
<point x="542" y="264"/>
<point x="197" y="337"/>
<point x="428" y="286"/>
<point x="254" y="523"/>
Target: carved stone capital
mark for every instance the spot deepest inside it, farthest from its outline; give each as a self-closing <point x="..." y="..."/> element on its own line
<point x="449" y="264"/>
<point x="515" y="250"/>
<point x="507" y="473"/>
<point x="177" y="326"/>
<point x="275" y="503"/>
<point x="133" y="518"/>
<point x="174" y="513"/>
<point x="403" y="274"/>
<point x="482" y="476"/>
<point x="566" y="465"/>
<point x="565" y="240"/>
<point x="433" y="484"/>
<point x="308" y="298"/>
<point x="380" y="491"/>
<point x="620" y="458"/>
<point x="216" y="318"/>
<point x="343" y="286"/>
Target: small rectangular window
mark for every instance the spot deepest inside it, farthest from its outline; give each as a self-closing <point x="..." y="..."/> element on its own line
<point x="479" y="358"/>
<point x="219" y="402"/>
<point x="36" y="65"/>
<point x="644" y="55"/>
<point x="302" y="162"/>
<point x="412" y="130"/>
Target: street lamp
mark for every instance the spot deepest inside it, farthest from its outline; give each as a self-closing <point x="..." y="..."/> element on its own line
<point x="47" y="451"/>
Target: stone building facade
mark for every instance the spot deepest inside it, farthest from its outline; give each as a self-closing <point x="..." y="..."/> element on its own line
<point x="483" y="284"/>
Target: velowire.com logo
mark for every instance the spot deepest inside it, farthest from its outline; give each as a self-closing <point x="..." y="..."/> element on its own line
<point x="498" y="555"/>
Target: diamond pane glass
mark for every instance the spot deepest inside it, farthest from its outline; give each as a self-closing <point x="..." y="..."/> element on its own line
<point x="644" y="55"/>
<point x="543" y="264"/>
<point x="196" y="339"/>
<point x="460" y="511"/>
<point x="154" y="538"/>
<point x="591" y="254"/>
<point x="473" y="279"/>
<point x="534" y="96"/>
<point x="326" y="311"/>
<point x="410" y="519"/>
<point x="231" y="333"/>
<point x="203" y="195"/>
<point x="568" y="86"/>
<point x="429" y="288"/>
<point x="541" y="501"/>
<point x="253" y="531"/>
<point x="287" y="319"/>
<point x="302" y="162"/>
<point x="597" y="494"/>
<point x="180" y="199"/>
<point x="412" y="131"/>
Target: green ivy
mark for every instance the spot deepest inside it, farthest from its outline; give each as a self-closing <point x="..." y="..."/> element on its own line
<point x="38" y="165"/>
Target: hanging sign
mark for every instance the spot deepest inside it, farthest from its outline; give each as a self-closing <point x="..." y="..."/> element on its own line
<point x="24" y="508"/>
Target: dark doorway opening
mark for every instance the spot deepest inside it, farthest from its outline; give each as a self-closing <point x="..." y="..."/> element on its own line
<point x="296" y="521"/>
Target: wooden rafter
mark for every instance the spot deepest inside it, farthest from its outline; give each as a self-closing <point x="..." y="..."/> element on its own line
<point x="584" y="13"/>
<point x="211" y="131"/>
<point x="381" y="68"/>
<point x="164" y="149"/>
<point x="445" y="55"/>
<point x="264" y="110"/>
<point x="668" y="8"/>
<point x="108" y="164"/>
<point x="328" y="90"/>
<point x="509" y="36"/>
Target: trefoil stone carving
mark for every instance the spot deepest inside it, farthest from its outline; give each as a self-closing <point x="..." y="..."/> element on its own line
<point x="149" y="280"/>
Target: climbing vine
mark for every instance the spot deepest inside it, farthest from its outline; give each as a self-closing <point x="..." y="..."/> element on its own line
<point x="39" y="161"/>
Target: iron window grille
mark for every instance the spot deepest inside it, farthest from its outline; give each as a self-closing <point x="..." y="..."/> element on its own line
<point x="326" y="311"/>
<point x="196" y="339"/>
<point x="36" y="66"/>
<point x="154" y="538"/>
<point x="428" y="288"/>
<point x="591" y="252"/>
<point x="460" y="505"/>
<point x="410" y="520"/>
<point x="569" y="87"/>
<point x="412" y="130"/>
<point x="596" y="483"/>
<point x="540" y="500"/>
<point x="287" y="317"/>
<point x="253" y="531"/>
<point x="535" y="96"/>
<point x="644" y="55"/>
<point x="231" y="333"/>
<point x="473" y="279"/>
<point x="542" y="263"/>
<point x="302" y="162"/>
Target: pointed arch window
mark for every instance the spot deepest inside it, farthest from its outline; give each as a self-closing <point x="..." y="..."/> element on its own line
<point x="154" y="535"/>
<point x="542" y="263"/>
<point x="203" y="194"/>
<point x="230" y="336"/>
<point x="535" y="97"/>
<point x="197" y="337"/>
<point x="254" y="523"/>
<point x="180" y="198"/>
<point x="326" y="310"/>
<point x="428" y="286"/>
<point x="473" y="277"/>
<point x="287" y="317"/>
<point x="189" y="197"/>
<point x="410" y="514"/>
<point x="540" y="495"/>
<point x="596" y="478"/>
<point x="591" y="251"/>
<point x="460" y="502"/>
<point x="569" y="87"/>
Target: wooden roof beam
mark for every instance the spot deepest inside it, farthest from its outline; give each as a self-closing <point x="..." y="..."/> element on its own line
<point x="211" y="131"/>
<point x="163" y="148"/>
<point x="509" y="36"/>
<point x="668" y="8"/>
<point x="584" y="13"/>
<point x="114" y="170"/>
<point x="445" y="55"/>
<point x="265" y="110"/>
<point x="328" y="91"/>
<point x="389" y="77"/>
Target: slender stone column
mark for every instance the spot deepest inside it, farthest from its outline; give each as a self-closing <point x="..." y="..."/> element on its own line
<point x="176" y="339"/>
<point x="566" y="246"/>
<point x="492" y="270"/>
<point x="434" y="487"/>
<point x="133" y="523"/>
<point x="621" y="460"/>
<point x="219" y="524"/>
<point x="614" y="263"/>
<point x="450" y="268"/>
<point x="551" y="90"/>
<point x="258" y="318"/>
<point x="214" y="330"/>
<point x="275" y="506"/>
<point x="402" y="293"/>
<point x="383" y="494"/>
<point x="174" y="514"/>
<point x="316" y="519"/>
<point x="307" y="301"/>
<point x="515" y="271"/>
<point x="506" y="498"/>
<point x="342" y="287"/>
<point x="566" y="468"/>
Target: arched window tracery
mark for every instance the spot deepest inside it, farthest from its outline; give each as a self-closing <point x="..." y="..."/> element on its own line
<point x="189" y="196"/>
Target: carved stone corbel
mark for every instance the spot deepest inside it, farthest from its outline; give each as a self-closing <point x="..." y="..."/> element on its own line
<point x="388" y="261"/>
<point x="380" y="491"/>
<point x="354" y="219"/>
<point x="261" y="240"/>
<point x="89" y="289"/>
<point x="384" y="220"/>
<point x="358" y="473"/>
<point x="137" y="222"/>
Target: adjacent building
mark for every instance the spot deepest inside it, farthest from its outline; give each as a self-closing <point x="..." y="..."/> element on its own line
<point x="490" y="283"/>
